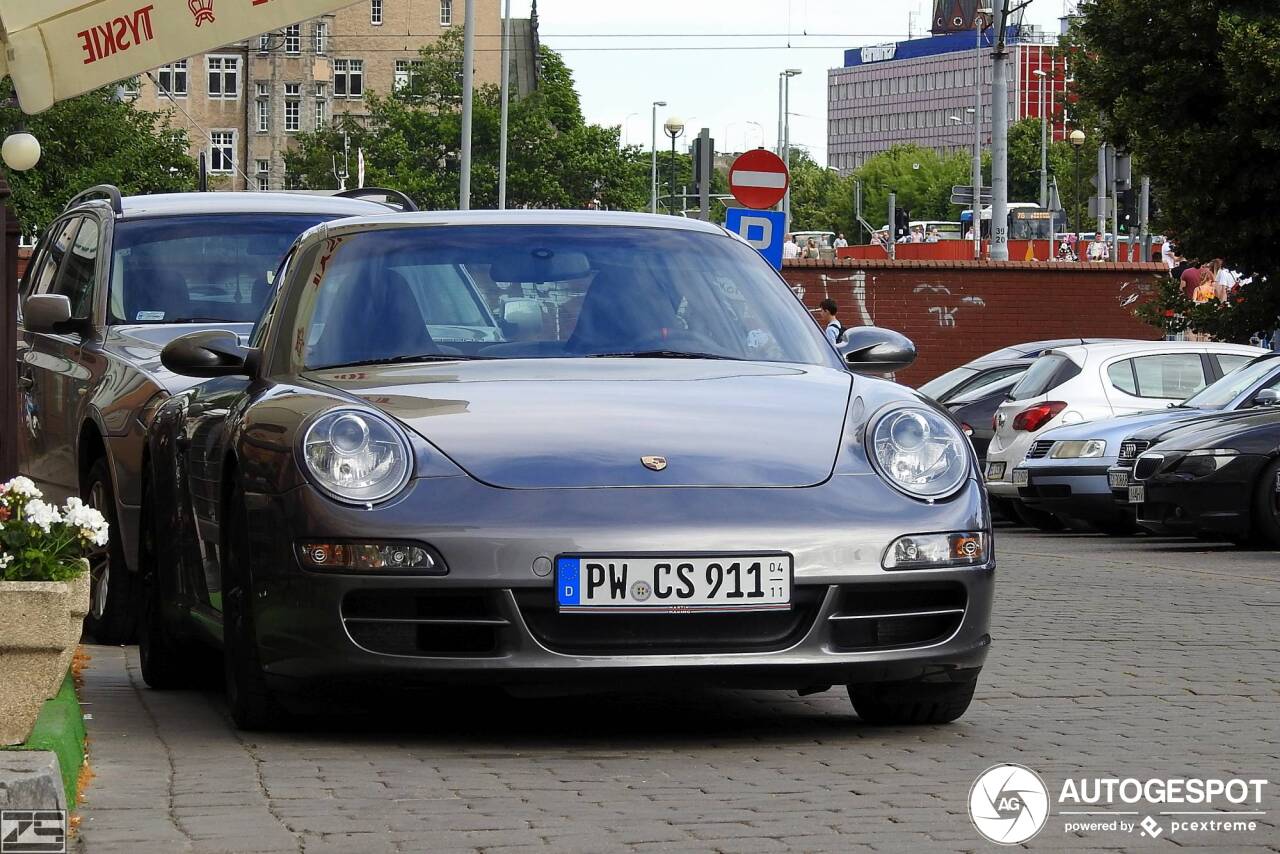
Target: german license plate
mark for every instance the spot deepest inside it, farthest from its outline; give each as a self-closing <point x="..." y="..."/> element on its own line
<point x="1021" y="477"/>
<point x="995" y="471"/>
<point x="625" y="584"/>
<point x="1137" y="493"/>
<point x="1118" y="479"/>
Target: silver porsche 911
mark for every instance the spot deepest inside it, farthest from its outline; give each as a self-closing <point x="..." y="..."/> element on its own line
<point x="550" y="450"/>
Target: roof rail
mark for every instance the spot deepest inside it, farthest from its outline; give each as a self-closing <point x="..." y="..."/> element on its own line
<point x="406" y="203"/>
<point x="111" y="191"/>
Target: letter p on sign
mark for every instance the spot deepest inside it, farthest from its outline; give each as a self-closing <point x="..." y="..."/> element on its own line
<point x="762" y="229"/>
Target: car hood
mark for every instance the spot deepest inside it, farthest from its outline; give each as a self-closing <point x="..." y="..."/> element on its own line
<point x="1226" y="430"/>
<point x="1119" y="427"/>
<point x="545" y="423"/>
<point x="1157" y="432"/>
<point x="140" y="346"/>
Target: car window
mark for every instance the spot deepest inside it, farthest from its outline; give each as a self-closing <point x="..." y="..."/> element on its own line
<point x="942" y="385"/>
<point x="534" y="291"/>
<point x="1121" y="376"/>
<point x="1234" y="384"/>
<point x="199" y="268"/>
<point x="1169" y="375"/>
<point x="78" y="272"/>
<point x="40" y="279"/>
<point x="1229" y="362"/>
<point x="1045" y="374"/>
<point x="1002" y="386"/>
<point x="985" y="378"/>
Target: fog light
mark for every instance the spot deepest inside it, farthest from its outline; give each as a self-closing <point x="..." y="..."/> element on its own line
<point x="376" y="557"/>
<point x="936" y="551"/>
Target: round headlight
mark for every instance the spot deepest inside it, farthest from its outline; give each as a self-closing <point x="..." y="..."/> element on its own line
<point x="356" y="456"/>
<point x="919" y="452"/>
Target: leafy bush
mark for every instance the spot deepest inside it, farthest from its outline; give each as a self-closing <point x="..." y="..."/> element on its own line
<point x="41" y="542"/>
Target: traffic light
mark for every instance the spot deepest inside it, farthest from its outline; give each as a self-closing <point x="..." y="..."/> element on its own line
<point x="695" y="151"/>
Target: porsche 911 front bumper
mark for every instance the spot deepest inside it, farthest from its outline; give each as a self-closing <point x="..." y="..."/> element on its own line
<point x="493" y="616"/>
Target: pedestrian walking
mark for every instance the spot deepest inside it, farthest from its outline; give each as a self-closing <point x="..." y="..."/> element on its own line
<point x="933" y="236"/>
<point x="827" y="311"/>
<point x="790" y="249"/>
<point x="840" y="243"/>
<point x="811" y="252"/>
<point x="1099" y="250"/>
<point x="1169" y="255"/>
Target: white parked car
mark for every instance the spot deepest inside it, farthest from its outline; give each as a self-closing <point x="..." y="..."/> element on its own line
<point x="1074" y="384"/>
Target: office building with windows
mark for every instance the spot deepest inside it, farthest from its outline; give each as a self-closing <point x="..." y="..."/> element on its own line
<point x="242" y="105"/>
<point x="923" y="92"/>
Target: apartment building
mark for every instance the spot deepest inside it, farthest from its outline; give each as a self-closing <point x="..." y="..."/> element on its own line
<point x="242" y="105"/>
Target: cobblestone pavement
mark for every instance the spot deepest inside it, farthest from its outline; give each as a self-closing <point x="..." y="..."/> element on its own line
<point x="1120" y="658"/>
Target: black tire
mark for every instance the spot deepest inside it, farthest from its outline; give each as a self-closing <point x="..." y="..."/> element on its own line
<point x="1266" y="507"/>
<point x="113" y="605"/>
<point x="912" y="703"/>
<point x="253" y="705"/>
<point x="1038" y="519"/>
<point x="167" y="660"/>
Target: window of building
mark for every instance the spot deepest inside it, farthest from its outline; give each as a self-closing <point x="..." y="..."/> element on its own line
<point x="322" y="112"/>
<point x="293" y="39"/>
<point x="968" y="77"/>
<point x="951" y="79"/>
<point x="292" y="107"/>
<point x="172" y="78"/>
<point x="348" y="78"/>
<point x="263" y="178"/>
<point x="264" y="42"/>
<point x="321" y="37"/>
<point x="375" y="12"/>
<point x="446" y="13"/>
<point x="911" y="84"/>
<point x="263" y="107"/>
<point x="222" y="151"/>
<point x="968" y="119"/>
<point x="224" y="80"/>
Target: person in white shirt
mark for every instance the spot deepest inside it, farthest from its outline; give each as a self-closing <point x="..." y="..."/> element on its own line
<point x="827" y="311"/>
<point x="1224" y="279"/>
<point x="840" y="243"/>
<point x="1099" y="250"/>
<point x="790" y="249"/>
<point x="1169" y="255"/>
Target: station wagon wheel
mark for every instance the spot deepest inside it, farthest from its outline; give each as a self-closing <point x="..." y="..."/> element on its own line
<point x="1266" y="506"/>
<point x="112" y="613"/>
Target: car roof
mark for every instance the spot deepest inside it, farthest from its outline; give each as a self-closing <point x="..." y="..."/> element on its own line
<point x="179" y="204"/>
<point x="1080" y="353"/>
<point x="522" y="217"/>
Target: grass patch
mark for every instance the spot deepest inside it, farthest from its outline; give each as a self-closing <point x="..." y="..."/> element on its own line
<point x="60" y="728"/>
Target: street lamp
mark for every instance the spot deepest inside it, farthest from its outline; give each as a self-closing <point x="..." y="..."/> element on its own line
<point x="980" y="23"/>
<point x="1044" y="142"/>
<point x="626" y="134"/>
<point x="653" y="147"/>
<point x="20" y="151"/>
<point x="675" y="129"/>
<point x="760" y="128"/>
<point x="1077" y="142"/>
<point x="786" y="142"/>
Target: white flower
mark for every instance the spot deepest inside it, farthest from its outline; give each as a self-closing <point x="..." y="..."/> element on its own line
<point x="5" y="560"/>
<point x="92" y="524"/>
<point x="43" y="516"/>
<point x="21" y="486"/>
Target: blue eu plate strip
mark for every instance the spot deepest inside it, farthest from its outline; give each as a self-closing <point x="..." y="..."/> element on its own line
<point x="567" y="591"/>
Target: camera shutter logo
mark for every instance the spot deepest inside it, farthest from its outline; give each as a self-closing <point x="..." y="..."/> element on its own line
<point x="1008" y="804"/>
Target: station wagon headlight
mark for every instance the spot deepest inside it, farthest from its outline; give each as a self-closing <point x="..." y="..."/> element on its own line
<point x="1082" y="449"/>
<point x="356" y="456"/>
<point x="919" y="452"/>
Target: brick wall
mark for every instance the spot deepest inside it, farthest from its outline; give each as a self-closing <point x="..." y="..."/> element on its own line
<point x="955" y="311"/>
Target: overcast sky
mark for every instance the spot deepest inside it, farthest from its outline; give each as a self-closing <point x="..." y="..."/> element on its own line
<point x="722" y="89"/>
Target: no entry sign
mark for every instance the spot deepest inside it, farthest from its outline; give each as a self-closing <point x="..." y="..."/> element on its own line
<point x="758" y="179"/>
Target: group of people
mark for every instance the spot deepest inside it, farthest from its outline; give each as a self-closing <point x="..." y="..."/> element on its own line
<point x="791" y="249"/>
<point x="917" y="234"/>
<point x="1201" y="282"/>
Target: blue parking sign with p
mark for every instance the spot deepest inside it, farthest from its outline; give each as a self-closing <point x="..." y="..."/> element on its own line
<point x="762" y="229"/>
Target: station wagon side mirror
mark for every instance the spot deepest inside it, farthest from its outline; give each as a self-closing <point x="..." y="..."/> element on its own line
<point x="876" y="350"/>
<point x="46" y="312"/>
<point x="1267" y="397"/>
<point x="211" y="353"/>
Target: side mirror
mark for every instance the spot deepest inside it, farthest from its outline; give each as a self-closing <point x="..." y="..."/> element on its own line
<point x="211" y="353"/>
<point x="876" y="350"/>
<point x="1267" y="397"/>
<point x="525" y="316"/>
<point x="44" y="312"/>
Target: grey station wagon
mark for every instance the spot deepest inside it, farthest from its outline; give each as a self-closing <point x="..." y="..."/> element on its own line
<point x="111" y="281"/>
<point x="655" y="468"/>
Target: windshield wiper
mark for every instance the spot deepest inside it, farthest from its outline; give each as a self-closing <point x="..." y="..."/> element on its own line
<point x="396" y="360"/>
<point x="659" y="354"/>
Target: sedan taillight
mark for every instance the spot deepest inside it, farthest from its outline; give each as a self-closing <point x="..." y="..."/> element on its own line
<point x="1033" y="418"/>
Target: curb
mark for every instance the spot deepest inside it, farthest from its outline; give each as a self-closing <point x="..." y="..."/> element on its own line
<point x="55" y="747"/>
<point x="31" y="780"/>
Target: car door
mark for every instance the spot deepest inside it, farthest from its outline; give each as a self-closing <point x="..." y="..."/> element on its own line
<point x="1153" y="381"/>
<point x="39" y="364"/>
<point x="66" y="363"/>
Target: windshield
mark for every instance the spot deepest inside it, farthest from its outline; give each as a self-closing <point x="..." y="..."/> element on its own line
<point x="1234" y="384"/>
<point x="1045" y="374"/>
<point x="941" y="385"/>
<point x="522" y="292"/>
<point x="1000" y="384"/>
<point x="199" y="268"/>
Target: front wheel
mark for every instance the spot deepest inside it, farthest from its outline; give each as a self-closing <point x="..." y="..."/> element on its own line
<point x="912" y="703"/>
<point x="253" y="705"/>
<point x="1266" y="507"/>
<point x="112" y="617"/>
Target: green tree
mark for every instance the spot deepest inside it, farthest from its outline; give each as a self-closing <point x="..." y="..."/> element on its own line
<point x="1194" y="93"/>
<point x="1024" y="169"/>
<point x="820" y="199"/>
<point x="410" y="141"/>
<point x="94" y="139"/>
<point x="921" y="177"/>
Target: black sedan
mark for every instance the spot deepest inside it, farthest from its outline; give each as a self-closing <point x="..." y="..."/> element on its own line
<point x="1215" y="477"/>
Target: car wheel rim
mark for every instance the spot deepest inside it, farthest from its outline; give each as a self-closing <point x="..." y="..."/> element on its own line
<point x="99" y="560"/>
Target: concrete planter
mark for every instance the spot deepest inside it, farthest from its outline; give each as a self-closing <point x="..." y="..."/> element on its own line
<point x="78" y="602"/>
<point x="34" y="633"/>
